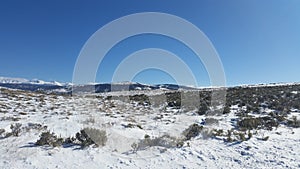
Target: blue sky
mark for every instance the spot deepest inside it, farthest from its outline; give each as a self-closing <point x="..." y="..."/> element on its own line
<point x="257" y="41"/>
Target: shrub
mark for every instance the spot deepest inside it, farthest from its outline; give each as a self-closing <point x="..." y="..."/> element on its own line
<point x="129" y="125"/>
<point x="69" y="140"/>
<point x="257" y="123"/>
<point x="142" y="99"/>
<point x="89" y="136"/>
<point x="226" y="110"/>
<point x="84" y="138"/>
<point x="15" y="129"/>
<point x="174" y="99"/>
<point x="265" y="138"/>
<point x="34" y="126"/>
<point x="2" y="131"/>
<point x="134" y="147"/>
<point x="294" y="122"/>
<point x="165" y="141"/>
<point x="242" y="136"/>
<point x="192" y="131"/>
<point x="229" y="139"/>
<point x="139" y="126"/>
<point x="249" y="123"/>
<point x="218" y="132"/>
<point x="49" y="139"/>
<point x="203" y="108"/>
<point x="249" y="135"/>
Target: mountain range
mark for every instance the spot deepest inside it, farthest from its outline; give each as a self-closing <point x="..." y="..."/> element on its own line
<point x="56" y="87"/>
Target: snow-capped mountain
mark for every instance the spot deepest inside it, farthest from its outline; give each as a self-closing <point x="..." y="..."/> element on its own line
<point x="57" y="87"/>
<point x="9" y="80"/>
<point x="12" y="80"/>
<point x="40" y="85"/>
<point x="32" y="85"/>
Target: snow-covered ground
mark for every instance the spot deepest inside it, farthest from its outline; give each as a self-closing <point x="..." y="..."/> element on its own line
<point x="67" y="115"/>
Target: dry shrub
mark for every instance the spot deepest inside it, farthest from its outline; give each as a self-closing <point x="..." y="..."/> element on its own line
<point x="192" y="131"/>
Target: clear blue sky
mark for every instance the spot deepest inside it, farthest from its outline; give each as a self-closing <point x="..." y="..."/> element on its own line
<point x="257" y="41"/>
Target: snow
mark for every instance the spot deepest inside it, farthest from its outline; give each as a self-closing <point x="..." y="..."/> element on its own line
<point x="294" y="92"/>
<point x="280" y="151"/>
<point x="66" y="115"/>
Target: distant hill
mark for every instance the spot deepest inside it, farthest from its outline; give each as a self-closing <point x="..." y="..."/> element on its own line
<point x="39" y="85"/>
